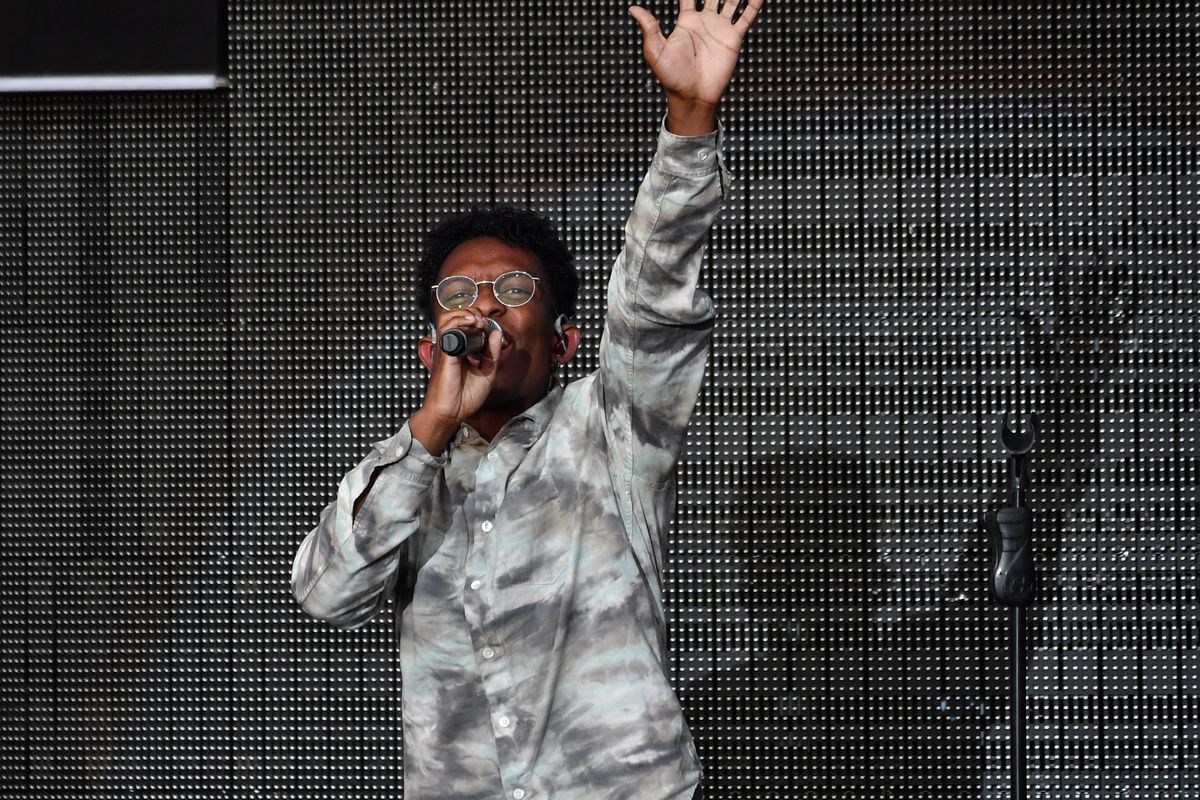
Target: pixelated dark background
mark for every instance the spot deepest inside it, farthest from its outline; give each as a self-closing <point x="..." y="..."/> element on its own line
<point x="943" y="211"/>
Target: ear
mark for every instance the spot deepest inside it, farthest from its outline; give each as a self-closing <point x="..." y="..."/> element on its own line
<point x="567" y="343"/>
<point x="425" y="352"/>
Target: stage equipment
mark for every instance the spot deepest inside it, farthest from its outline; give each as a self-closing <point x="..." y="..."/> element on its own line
<point x="467" y="341"/>
<point x="1012" y="579"/>
<point x="112" y="45"/>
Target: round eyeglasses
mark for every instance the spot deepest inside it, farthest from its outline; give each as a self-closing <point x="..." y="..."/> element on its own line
<point x="512" y="289"/>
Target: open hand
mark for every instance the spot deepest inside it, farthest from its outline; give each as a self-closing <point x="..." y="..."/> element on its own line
<point x="694" y="66"/>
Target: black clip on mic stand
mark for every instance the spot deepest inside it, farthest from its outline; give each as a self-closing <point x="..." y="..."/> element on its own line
<point x="1012" y="580"/>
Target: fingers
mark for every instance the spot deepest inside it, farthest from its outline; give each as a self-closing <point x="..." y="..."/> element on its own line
<point x="466" y="319"/>
<point x="651" y="33"/>
<point x="653" y="40"/>
<point x="728" y="9"/>
<point x="645" y="20"/>
<point x="747" y="18"/>
<point x="463" y="318"/>
<point x="495" y="341"/>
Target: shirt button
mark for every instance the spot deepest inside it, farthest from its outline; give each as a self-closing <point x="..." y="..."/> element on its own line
<point x="475" y="584"/>
<point x="518" y="794"/>
<point x="504" y="722"/>
<point x="486" y="526"/>
<point x="492" y="456"/>
<point x="489" y="652"/>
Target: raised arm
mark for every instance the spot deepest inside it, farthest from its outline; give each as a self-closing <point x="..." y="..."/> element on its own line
<point x="658" y="325"/>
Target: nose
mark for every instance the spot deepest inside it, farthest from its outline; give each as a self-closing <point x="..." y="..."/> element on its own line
<point x="486" y="302"/>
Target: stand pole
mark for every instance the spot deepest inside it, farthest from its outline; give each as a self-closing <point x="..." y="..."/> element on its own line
<point x="1013" y="580"/>
<point x="1018" y="704"/>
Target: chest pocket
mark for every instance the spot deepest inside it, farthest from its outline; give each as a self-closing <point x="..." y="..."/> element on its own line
<point x="533" y="535"/>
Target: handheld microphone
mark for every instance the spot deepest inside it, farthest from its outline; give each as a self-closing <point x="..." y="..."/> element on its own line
<point x="466" y="341"/>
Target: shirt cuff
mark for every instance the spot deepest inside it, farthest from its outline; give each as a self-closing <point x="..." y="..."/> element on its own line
<point x="691" y="156"/>
<point x="404" y="444"/>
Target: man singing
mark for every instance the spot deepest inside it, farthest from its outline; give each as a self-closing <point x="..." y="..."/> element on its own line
<point x="519" y="526"/>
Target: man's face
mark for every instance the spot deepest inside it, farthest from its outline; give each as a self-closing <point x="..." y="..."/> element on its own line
<point x="528" y="352"/>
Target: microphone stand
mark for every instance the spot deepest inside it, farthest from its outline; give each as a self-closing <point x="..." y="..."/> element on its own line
<point x="1012" y="580"/>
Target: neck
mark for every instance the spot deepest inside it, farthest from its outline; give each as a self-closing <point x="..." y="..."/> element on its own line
<point x="488" y="425"/>
<point x="490" y="419"/>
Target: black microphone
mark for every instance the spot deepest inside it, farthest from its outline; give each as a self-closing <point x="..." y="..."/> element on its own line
<point x="466" y="341"/>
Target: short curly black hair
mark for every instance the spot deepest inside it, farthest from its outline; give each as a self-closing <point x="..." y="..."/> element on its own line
<point x="516" y="227"/>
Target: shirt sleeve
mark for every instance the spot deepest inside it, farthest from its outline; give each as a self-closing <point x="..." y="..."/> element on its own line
<point x="657" y="332"/>
<point x="347" y="566"/>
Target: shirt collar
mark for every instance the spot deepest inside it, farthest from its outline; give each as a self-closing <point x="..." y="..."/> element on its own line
<point x="524" y="428"/>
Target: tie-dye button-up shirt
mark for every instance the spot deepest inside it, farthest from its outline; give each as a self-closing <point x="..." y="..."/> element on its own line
<point x="527" y="571"/>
